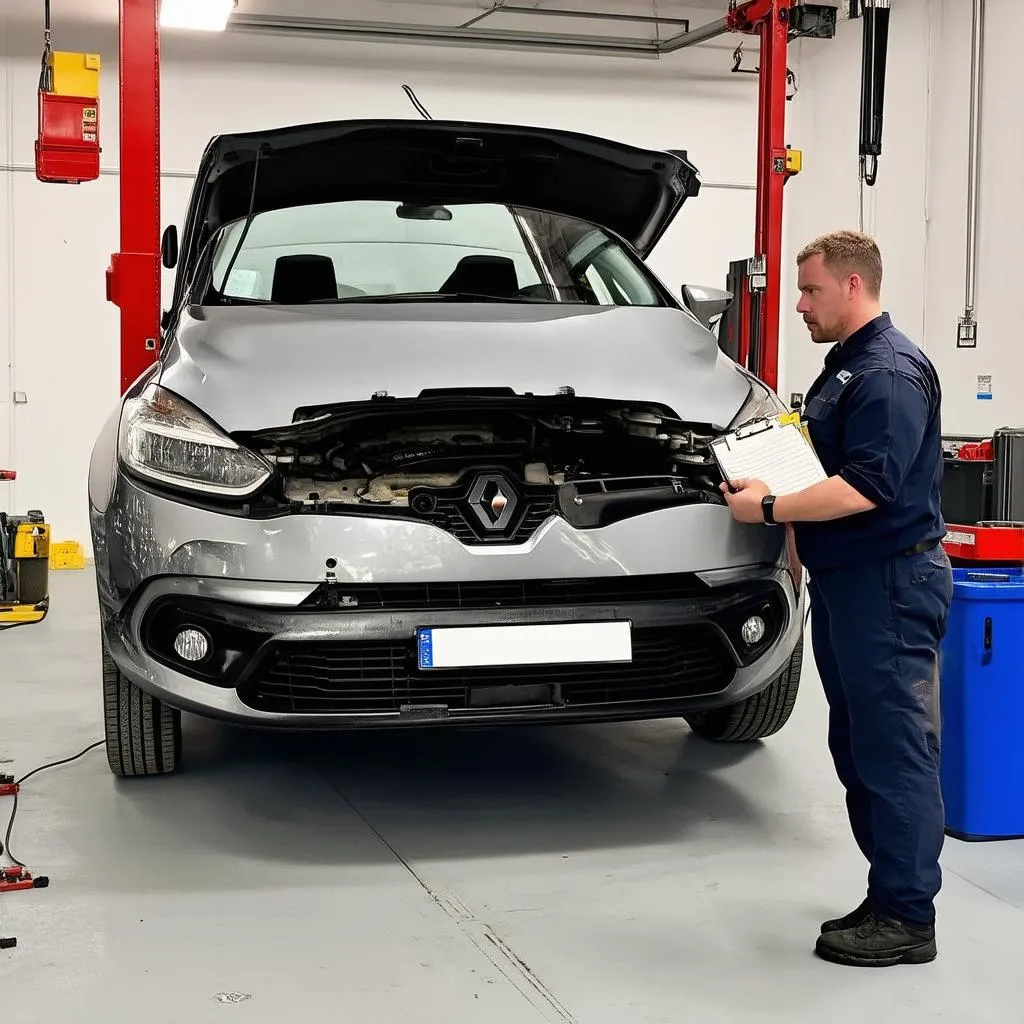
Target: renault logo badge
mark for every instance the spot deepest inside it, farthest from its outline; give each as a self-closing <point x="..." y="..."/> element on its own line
<point x="493" y="501"/>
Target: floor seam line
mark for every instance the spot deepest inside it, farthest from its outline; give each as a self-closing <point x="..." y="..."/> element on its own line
<point x="498" y="953"/>
<point x="980" y="887"/>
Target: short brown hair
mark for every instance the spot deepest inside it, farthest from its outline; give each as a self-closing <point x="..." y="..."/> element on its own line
<point x="848" y="252"/>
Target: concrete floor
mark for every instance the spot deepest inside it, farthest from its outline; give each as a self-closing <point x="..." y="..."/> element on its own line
<point x="624" y="874"/>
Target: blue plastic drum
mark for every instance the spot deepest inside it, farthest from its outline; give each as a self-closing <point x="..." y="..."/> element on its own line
<point x="982" y="700"/>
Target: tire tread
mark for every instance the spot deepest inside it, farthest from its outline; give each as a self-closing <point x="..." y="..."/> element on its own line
<point x="143" y="734"/>
<point x="759" y="716"/>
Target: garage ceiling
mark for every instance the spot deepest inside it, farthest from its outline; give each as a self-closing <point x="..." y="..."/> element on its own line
<point x="601" y="21"/>
<point x="624" y="28"/>
<point x="105" y="10"/>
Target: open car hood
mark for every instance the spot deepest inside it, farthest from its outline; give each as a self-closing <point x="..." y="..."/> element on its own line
<point x="632" y="192"/>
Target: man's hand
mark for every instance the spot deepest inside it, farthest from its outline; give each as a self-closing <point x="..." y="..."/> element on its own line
<point x="746" y="502"/>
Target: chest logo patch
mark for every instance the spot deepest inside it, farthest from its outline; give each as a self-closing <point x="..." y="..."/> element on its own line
<point x="843" y="376"/>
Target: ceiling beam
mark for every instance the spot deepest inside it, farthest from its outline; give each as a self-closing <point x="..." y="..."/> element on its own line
<point x="555" y="12"/>
<point x="382" y="30"/>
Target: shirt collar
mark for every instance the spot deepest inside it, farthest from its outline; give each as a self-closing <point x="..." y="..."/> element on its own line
<point x="840" y="352"/>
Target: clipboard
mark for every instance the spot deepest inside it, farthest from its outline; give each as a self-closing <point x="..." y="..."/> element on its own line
<point x="775" y="450"/>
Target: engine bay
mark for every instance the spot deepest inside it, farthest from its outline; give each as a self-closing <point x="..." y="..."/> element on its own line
<point x="592" y="461"/>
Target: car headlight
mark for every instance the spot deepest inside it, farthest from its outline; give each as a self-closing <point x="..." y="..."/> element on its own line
<point x="165" y="439"/>
<point x="760" y="403"/>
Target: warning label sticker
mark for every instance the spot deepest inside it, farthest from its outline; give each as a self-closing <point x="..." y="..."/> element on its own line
<point x="89" y="118"/>
<point x="959" y="537"/>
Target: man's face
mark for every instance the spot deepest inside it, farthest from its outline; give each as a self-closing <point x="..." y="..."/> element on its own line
<point x="825" y="303"/>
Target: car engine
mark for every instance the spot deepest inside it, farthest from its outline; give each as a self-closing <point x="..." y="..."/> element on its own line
<point x="513" y="461"/>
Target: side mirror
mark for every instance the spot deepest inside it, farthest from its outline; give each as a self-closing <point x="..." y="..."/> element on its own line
<point x="706" y="304"/>
<point x="169" y="247"/>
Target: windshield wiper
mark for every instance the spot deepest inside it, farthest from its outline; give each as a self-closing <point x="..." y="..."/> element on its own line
<point x="241" y="300"/>
<point x="424" y="297"/>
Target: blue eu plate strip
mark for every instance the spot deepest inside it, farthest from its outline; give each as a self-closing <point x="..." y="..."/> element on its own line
<point x="425" y="645"/>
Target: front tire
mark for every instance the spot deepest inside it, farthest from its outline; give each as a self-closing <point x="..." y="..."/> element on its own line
<point x="757" y="717"/>
<point x="143" y="734"/>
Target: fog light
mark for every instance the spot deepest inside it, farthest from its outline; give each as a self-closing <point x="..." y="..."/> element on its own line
<point x="191" y="645"/>
<point x="753" y="630"/>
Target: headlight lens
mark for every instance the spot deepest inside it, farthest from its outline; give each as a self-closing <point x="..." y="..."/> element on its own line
<point x="760" y="404"/>
<point x="165" y="439"/>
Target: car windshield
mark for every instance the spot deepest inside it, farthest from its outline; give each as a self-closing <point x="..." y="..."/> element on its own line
<point x="377" y="251"/>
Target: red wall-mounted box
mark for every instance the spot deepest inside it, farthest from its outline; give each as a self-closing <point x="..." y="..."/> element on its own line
<point x="68" y="146"/>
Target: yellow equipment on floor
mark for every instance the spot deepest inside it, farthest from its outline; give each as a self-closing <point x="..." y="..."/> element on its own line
<point x="24" y="567"/>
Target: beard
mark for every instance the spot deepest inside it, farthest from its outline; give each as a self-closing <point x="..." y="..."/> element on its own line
<point x="821" y="335"/>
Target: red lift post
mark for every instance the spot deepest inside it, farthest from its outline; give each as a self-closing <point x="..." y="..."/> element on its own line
<point x="770" y="20"/>
<point x="757" y="339"/>
<point x="133" y="279"/>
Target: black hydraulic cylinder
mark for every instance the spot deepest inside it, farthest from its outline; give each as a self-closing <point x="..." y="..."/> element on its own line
<point x="872" y="87"/>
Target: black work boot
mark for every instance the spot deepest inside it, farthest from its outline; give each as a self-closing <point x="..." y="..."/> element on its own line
<point x="878" y="942"/>
<point x="852" y="920"/>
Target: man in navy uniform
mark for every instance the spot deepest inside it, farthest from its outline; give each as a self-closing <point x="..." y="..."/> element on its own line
<point x="880" y="586"/>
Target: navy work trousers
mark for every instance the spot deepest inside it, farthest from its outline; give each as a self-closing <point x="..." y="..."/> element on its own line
<point x="876" y="629"/>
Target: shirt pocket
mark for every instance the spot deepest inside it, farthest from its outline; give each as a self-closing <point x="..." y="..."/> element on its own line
<point x="821" y="407"/>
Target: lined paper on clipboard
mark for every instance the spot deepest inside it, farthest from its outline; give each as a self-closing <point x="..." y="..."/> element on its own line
<point x="776" y="453"/>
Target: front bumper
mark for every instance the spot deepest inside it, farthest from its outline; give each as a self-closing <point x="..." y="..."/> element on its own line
<point x="139" y="535"/>
<point x="306" y="656"/>
<point x="675" y="573"/>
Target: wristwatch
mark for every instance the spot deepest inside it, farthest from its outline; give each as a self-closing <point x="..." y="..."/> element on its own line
<point x="768" y="509"/>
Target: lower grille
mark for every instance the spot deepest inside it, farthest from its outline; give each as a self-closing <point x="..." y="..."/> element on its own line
<point x="382" y="676"/>
<point x="506" y="593"/>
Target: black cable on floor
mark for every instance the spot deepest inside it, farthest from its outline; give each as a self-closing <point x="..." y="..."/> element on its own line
<point x="35" y="771"/>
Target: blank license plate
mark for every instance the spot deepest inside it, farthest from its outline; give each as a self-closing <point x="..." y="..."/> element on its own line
<point x="554" y="644"/>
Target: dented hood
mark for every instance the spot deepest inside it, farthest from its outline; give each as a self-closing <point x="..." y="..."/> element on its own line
<point x="251" y="368"/>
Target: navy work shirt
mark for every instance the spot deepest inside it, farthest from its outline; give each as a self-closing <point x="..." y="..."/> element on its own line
<point x="873" y="417"/>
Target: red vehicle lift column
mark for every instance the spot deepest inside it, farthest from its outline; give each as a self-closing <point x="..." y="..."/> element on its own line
<point x="758" y="336"/>
<point x="133" y="279"/>
<point x="757" y="345"/>
<point x="770" y="20"/>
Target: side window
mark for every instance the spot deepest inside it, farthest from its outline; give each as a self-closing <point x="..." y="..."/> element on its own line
<point x="608" y="273"/>
<point x="592" y="278"/>
<point x="624" y="284"/>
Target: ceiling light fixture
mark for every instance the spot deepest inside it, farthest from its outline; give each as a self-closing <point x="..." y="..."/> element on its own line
<point x="202" y="15"/>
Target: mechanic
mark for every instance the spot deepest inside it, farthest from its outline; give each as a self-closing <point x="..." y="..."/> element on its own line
<point x="880" y="585"/>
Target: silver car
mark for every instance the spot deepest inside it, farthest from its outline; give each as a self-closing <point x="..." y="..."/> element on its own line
<point x="428" y="444"/>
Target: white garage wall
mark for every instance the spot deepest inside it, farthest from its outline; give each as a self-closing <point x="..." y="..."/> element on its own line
<point x="1000" y="352"/>
<point x="825" y="122"/>
<point x="6" y="250"/>
<point x="918" y="209"/>
<point x="65" y="335"/>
